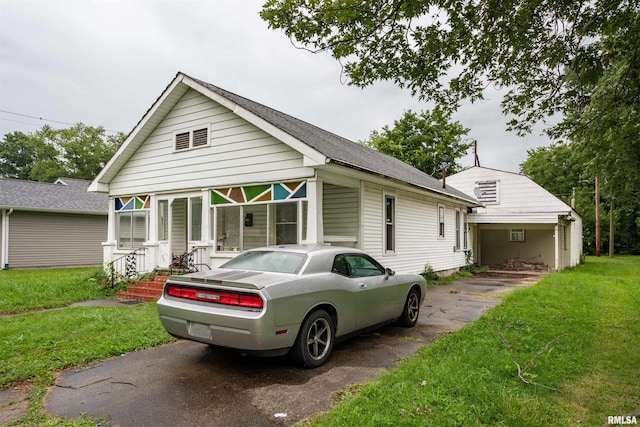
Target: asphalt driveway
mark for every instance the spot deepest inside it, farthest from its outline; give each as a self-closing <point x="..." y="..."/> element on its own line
<point x="187" y="383"/>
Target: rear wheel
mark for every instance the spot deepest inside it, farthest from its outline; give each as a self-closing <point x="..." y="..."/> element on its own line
<point x="315" y="340"/>
<point x="411" y="309"/>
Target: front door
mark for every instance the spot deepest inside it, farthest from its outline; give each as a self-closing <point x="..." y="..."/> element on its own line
<point x="178" y="229"/>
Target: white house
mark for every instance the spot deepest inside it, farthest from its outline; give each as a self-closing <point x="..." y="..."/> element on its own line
<point x="209" y="171"/>
<point x="519" y="220"/>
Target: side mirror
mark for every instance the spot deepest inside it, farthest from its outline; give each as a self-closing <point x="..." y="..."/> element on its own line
<point x="389" y="272"/>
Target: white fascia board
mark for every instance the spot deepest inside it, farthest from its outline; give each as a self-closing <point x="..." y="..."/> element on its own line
<point x="311" y="157"/>
<point x="98" y="185"/>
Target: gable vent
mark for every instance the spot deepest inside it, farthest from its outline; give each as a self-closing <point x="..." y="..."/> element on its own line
<point x="182" y="141"/>
<point x="200" y="137"/>
<point x="487" y="192"/>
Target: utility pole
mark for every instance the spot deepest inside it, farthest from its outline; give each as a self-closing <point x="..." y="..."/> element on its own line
<point x="597" y="216"/>
<point x="611" y="229"/>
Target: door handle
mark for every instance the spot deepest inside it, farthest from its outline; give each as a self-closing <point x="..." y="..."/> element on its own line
<point x="362" y="285"/>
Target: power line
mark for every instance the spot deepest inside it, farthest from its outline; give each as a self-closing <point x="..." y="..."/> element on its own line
<point x="42" y="119"/>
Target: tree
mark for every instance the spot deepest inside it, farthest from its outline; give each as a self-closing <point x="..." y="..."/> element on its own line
<point x="547" y="55"/>
<point x="426" y="141"/>
<point x="19" y="152"/>
<point x="46" y="154"/>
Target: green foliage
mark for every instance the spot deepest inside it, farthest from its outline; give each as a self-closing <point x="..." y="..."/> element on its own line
<point x="427" y="141"/>
<point x="575" y="334"/>
<point x="429" y="274"/>
<point x="447" y="51"/>
<point x="24" y="290"/>
<point x="80" y="152"/>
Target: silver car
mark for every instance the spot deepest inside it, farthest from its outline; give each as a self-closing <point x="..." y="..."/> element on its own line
<point x="296" y="299"/>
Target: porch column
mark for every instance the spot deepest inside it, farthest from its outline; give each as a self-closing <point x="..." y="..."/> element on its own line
<point x="109" y="246"/>
<point x="315" y="228"/>
<point x="153" y="220"/>
<point x="557" y="246"/>
<point x="206" y="220"/>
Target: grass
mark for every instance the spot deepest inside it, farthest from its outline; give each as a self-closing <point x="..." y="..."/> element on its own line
<point x="575" y="336"/>
<point x="25" y="290"/>
<point x="36" y="344"/>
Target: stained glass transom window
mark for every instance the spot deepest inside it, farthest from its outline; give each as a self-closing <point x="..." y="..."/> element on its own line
<point x="259" y="193"/>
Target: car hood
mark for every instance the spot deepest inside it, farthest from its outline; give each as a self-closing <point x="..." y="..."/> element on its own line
<point x="236" y="278"/>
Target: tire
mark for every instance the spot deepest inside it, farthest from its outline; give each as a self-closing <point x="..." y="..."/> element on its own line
<point x="314" y="343"/>
<point x="411" y="309"/>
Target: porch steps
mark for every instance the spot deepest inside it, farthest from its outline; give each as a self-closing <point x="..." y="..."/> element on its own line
<point x="144" y="290"/>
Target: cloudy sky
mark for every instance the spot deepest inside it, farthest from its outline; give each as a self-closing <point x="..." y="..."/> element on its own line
<point x="104" y="62"/>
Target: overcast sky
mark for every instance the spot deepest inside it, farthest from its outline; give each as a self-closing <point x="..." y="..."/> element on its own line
<point x="105" y="62"/>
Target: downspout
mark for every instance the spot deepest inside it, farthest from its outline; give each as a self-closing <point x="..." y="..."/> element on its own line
<point x="5" y="239"/>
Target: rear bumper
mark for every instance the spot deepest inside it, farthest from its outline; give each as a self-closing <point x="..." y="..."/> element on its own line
<point x="247" y="331"/>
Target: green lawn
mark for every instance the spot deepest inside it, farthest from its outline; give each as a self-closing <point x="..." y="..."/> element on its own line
<point x="24" y="290"/>
<point x="575" y="336"/>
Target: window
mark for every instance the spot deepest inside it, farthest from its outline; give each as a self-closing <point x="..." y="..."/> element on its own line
<point x="163" y="220"/>
<point x="389" y="224"/>
<point x="516" y="235"/>
<point x="242" y="227"/>
<point x="458" y="229"/>
<point x="465" y="231"/>
<point x="487" y="192"/>
<point x="132" y="229"/>
<point x="192" y="139"/>
<point x="441" y="222"/>
<point x="357" y="265"/>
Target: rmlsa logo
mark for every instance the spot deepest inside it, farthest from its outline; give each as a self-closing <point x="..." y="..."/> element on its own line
<point x="622" y="419"/>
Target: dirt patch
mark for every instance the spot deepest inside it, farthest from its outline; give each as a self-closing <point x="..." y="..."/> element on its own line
<point x="515" y="264"/>
<point x="14" y="402"/>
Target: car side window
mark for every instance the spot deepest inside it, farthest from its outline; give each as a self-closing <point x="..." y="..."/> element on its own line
<point x="340" y="266"/>
<point x="363" y="266"/>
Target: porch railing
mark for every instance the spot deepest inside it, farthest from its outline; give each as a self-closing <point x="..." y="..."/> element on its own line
<point x="127" y="266"/>
<point x="191" y="261"/>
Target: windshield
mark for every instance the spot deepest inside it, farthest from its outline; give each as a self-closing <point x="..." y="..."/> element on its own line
<point x="273" y="261"/>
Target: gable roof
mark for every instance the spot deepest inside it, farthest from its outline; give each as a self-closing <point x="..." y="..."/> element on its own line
<point x="66" y="195"/>
<point x="317" y="144"/>
<point x="519" y="194"/>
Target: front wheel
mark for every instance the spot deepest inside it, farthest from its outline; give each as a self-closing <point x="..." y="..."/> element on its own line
<point x="315" y="340"/>
<point x="411" y="309"/>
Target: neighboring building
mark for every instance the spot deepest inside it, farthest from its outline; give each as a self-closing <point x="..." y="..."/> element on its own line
<point x="520" y="220"/>
<point x="51" y="225"/>
<point x="211" y="171"/>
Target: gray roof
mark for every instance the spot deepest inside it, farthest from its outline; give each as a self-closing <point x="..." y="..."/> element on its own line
<point x="339" y="149"/>
<point x="65" y="195"/>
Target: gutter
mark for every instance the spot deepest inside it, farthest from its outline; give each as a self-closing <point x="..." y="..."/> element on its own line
<point x="4" y="261"/>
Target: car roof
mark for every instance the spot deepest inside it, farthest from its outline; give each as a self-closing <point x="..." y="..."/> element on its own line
<point x="309" y="248"/>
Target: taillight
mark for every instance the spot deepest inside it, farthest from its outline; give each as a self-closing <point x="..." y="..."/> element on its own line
<point x="217" y="297"/>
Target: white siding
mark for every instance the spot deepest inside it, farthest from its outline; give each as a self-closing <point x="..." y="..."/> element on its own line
<point x="340" y="212"/>
<point x="518" y="194"/>
<point x="238" y="153"/>
<point x="417" y="242"/>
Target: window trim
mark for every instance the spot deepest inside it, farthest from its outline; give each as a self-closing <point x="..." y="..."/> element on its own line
<point x="518" y="231"/>
<point x="441" y="221"/>
<point x="191" y="131"/>
<point x="458" y="233"/>
<point x="389" y="249"/>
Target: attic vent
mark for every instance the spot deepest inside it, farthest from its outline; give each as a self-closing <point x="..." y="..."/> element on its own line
<point x="182" y="141"/>
<point x="200" y="137"/>
<point x="192" y="139"/>
<point x="487" y="192"/>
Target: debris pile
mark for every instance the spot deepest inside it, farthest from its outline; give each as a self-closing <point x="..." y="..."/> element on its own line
<point x="515" y="264"/>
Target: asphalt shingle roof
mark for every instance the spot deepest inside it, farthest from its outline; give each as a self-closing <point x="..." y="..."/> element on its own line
<point x="339" y="149"/>
<point x="66" y="195"/>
